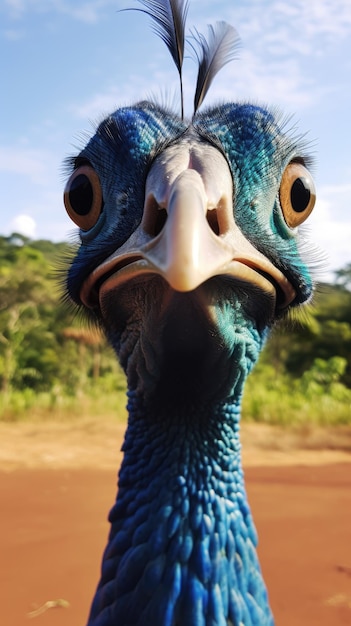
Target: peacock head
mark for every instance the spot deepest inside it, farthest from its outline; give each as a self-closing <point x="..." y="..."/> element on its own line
<point x="190" y="234"/>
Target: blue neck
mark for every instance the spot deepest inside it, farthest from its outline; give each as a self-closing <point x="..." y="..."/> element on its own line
<point x="181" y="551"/>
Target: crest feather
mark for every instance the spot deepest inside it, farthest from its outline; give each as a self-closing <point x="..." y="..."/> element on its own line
<point x="212" y="54"/>
<point x="169" y="17"/>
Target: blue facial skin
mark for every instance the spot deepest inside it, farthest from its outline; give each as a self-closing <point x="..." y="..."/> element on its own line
<point x="182" y="545"/>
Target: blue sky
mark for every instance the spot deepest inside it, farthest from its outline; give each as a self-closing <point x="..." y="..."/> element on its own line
<point x="65" y="64"/>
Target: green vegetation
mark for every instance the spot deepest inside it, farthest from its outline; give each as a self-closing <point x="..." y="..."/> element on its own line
<point x="51" y="364"/>
<point x="54" y="366"/>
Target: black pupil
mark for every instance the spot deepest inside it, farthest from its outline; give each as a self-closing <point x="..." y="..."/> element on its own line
<point x="81" y="194"/>
<point x="300" y="194"/>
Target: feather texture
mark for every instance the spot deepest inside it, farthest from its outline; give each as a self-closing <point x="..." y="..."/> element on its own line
<point x="212" y="54"/>
<point x="169" y="17"/>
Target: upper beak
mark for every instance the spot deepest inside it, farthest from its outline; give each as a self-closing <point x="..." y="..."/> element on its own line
<point x="187" y="251"/>
<point x="199" y="238"/>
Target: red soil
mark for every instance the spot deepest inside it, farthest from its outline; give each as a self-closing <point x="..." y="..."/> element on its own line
<point x="53" y="531"/>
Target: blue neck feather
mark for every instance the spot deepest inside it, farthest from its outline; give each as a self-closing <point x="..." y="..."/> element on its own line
<point x="181" y="550"/>
<point x="182" y="545"/>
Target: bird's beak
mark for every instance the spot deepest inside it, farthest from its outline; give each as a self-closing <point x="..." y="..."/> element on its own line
<point x="187" y="251"/>
<point x="188" y="233"/>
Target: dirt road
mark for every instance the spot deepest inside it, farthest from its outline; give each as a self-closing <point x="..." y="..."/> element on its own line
<point x="57" y="483"/>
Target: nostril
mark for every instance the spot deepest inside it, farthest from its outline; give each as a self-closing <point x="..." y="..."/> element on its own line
<point x="212" y="219"/>
<point x="154" y="218"/>
<point x="159" y="221"/>
<point x="220" y="218"/>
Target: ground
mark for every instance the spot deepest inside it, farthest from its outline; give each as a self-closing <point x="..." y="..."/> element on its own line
<point x="58" y="481"/>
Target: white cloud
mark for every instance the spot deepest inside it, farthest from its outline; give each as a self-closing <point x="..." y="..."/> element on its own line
<point x="251" y="77"/>
<point x="23" y="224"/>
<point x="298" y="26"/>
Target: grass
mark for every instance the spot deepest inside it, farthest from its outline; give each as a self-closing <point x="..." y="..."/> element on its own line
<point x="58" y="406"/>
<point x="280" y="400"/>
<point x="277" y="406"/>
<point x="318" y="398"/>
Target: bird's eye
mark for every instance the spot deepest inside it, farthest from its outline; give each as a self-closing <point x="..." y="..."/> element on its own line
<point x="83" y="197"/>
<point x="297" y="194"/>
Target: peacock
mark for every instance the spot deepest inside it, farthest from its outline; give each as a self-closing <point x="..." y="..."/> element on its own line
<point x="190" y="249"/>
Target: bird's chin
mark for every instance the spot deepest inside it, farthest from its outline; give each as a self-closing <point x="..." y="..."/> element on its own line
<point x="265" y="295"/>
<point x="184" y="320"/>
<point x="168" y="340"/>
